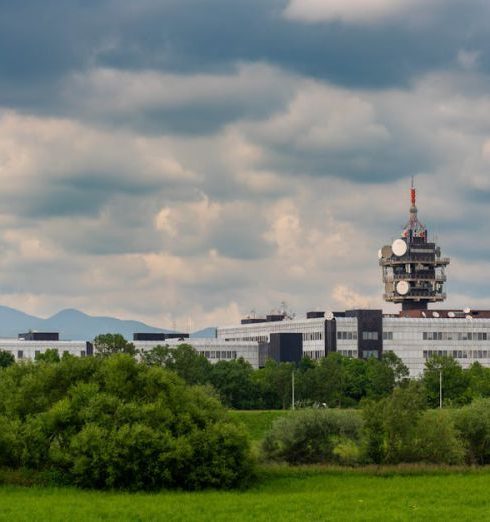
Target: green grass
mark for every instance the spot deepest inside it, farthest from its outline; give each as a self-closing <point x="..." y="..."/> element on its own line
<point x="257" y="422"/>
<point x="291" y="494"/>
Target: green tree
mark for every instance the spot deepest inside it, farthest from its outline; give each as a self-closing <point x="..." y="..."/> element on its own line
<point x="183" y="359"/>
<point x="473" y="423"/>
<point x="6" y="359"/>
<point x="314" y="436"/>
<point x="399" y="369"/>
<point x="401" y="413"/>
<point x="275" y="384"/>
<point x="109" y="344"/>
<point x="328" y="380"/>
<point x="112" y="422"/>
<point x="380" y="378"/>
<point x="51" y="355"/>
<point x="455" y="381"/>
<point x="479" y="381"/>
<point x="234" y="383"/>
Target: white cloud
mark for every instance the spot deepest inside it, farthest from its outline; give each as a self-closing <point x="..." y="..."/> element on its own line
<point x="351" y="11"/>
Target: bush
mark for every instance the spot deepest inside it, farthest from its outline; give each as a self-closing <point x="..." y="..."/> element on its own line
<point x="110" y="422"/>
<point x="473" y="423"/>
<point x="314" y="436"/>
<point x="436" y="439"/>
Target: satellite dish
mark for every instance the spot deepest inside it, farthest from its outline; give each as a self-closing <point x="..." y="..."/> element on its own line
<point x="402" y="287"/>
<point x="469" y="317"/>
<point x="399" y="247"/>
<point x="435" y="314"/>
<point x="380" y="254"/>
<point x="329" y="316"/>
<point x="451" y="315"/>
<point x="424" y="314"/>
<point x="467" y="310"/>
<point x="386" y="251"/>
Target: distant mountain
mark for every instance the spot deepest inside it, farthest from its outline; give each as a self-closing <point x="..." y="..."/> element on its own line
<point x="207" y="333"/>
<point x="71" y="324"/>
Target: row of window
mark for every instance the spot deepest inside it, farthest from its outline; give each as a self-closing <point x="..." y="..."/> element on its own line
<point x="312" y="336"/>
<point x="348" y="353"/>
<point x="458" y="354"/>
<point x="220" y="354"/>
<point x="455" y="336"/>
<point x="370" y="336"/>
<point x="346" y="336"/>
<point x="315" y="354"/>
<point x="366" y="354"/>
<point x="20" y="353"/>
<point x="388" y="336"/>
<point x="256" y="338"/>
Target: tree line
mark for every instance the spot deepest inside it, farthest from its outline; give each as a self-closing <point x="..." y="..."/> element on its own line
<point x="332" y="381"/>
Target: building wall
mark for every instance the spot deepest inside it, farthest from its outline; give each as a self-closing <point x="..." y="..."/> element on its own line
<point x="313" y="331"/>
<point x="414" y="340"/>
<point x="213" y="349"/>
<point x="27" y="350"/>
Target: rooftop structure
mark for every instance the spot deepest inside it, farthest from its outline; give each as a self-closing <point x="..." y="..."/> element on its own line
<point x="412" y="267"/>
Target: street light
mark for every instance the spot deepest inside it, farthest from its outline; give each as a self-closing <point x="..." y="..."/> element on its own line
<point x="440" y="389"/>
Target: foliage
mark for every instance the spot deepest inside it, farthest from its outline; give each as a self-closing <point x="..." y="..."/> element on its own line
<point x="233" y="381"/>
<point x="312" y="436"/>
<point x="109" y="344"/>
<point x="436" y="439"/>
<point x="390" y="425"/>
<point x="192" y="366"/>
<point x="6" y="359"/>
<point x="473" y="422"/>
<point x="455" y="381"/>
<point x="110" y="422"/>
<point x="479" y="381"/>
<point x="51" y="355"/>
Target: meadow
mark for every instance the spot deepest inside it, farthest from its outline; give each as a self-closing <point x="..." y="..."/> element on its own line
<point x="292" y="493"/>
<point x="312" y="493"/>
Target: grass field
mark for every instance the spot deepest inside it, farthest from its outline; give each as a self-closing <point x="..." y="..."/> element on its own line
<point x="257" y="422"/>
<point x="282" y="494"/>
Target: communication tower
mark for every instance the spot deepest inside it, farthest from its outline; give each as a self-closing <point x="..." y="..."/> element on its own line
<point x="413" y="269"/>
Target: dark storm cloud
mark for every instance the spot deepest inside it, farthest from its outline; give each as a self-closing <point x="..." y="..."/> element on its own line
<point x="43" y="42"/>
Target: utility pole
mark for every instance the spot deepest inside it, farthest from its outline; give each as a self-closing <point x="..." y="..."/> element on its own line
<point x="292" y="390"/>
<point x="440" y="389"/>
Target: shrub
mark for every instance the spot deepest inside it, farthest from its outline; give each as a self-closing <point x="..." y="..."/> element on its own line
<point x="110" y="422"/>
<point x="389" y="425"/>
<point x="436" y="439"/>
<point x="473" y="423"/>
<point x="313" y="436"/>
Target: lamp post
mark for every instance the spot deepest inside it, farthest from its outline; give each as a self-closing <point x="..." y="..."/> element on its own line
<point x="292" y="390"/>
<point x="440" y="389"/>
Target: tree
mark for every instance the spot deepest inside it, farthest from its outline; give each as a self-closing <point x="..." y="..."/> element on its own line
<point x="234" y="383"/>
<point x="401" y="413"/>
<point x="51" y="355"/>
<point x="479" y="381"/>
<point x="455" y="381"/>
<point x="400" y="370"/>
<point x="112" y="422"/>
<point x="380" y="378"/>
<point x="189" y="364"/>
<point x="109" y="344"/>
<point x="314" y="436"/>
<point x="6" y="359"/>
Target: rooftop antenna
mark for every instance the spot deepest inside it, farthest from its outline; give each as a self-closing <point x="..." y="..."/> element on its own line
<point x="412" y="268"/>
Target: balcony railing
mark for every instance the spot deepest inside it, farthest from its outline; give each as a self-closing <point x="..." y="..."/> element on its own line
<point x="440" y="278"/>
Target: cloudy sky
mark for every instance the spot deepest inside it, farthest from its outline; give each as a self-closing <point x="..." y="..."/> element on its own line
<point x="167" y="160"/>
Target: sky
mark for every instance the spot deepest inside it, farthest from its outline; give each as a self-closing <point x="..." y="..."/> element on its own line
<point x="184" y="162"/>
